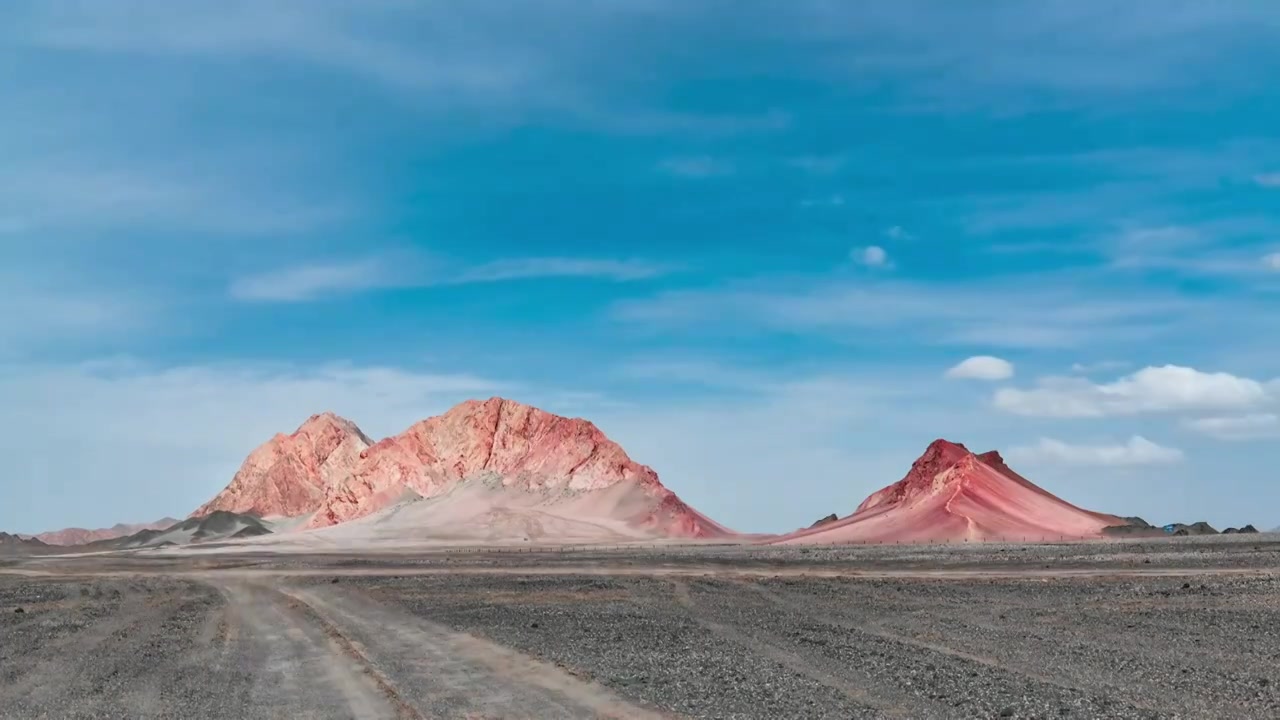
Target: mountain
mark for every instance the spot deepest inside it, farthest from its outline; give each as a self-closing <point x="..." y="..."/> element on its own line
<point x="484" y="470"/>
<point x="289" y="475"/>
<point x="81" y="536"/>
<point x="951" y="494"/>
<point x="217" y="525"/>
<point x="18" y="545"/>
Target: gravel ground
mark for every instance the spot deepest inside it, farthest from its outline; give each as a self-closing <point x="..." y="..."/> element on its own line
<point x="817" y="648"/>
<point x="1138" y="629"/>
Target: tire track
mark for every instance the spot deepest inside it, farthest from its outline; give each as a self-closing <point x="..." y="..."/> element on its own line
<point x="446" y="674"/>
<point x="789" y="659"/>
<point x="877" y="630"/>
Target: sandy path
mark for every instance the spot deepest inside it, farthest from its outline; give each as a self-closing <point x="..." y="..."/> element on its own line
<point x="431" y="671"/>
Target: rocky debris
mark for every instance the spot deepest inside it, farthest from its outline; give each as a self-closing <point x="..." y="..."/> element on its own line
<point x="823" y="521"/>
<point x="1246" y="530"/>
<point x="1197" y="528"/>
<point x="1133" y="527"/>
<point x="289" y="475"/>
<point x="952" y="495"/>
<point x="217" y="525"/>
<point x="82" y="536"/>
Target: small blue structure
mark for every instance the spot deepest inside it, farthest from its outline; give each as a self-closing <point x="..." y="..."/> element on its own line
<point x="1169" y="528"/>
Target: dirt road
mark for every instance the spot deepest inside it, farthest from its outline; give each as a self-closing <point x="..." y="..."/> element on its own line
<point x="226" y="648"/>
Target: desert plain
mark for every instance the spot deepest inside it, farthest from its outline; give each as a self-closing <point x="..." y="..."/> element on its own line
<point x="1141" y="628"/>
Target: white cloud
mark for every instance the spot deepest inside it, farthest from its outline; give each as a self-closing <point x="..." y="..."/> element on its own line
<point x="1241" y="427"/>
<point x="305" y="283"/>
<point x="897" y="232"/>
<point x="1169" y="388"/>
<point x="982" y="367"/>
<point x="696" y="167"/>
<point x="872" y="256"/>
<point x="1270" y="180"/>
<point x="519" y="268"/>
<point x="1137" y="451"/>
<point x="1272" y="261"/>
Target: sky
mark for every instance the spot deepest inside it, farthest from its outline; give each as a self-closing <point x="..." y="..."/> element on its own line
<point x="772" y="249"/>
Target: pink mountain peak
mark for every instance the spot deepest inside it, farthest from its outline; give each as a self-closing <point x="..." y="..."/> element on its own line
<point x="938" y="456"/>
<point x="951" y="494"/>
<point x="288" y="475"/>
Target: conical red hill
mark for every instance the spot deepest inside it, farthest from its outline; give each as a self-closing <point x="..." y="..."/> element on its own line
<point x="951" y="495"/>
<point x="288" y="475"/>
<point x="523" y="452"/>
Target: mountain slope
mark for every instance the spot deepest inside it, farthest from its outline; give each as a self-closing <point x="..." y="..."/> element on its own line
<point x="290" y="474"/>
<point x="951" y="494"/>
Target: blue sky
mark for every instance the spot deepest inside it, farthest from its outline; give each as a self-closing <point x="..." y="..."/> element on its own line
<point x="755" y="242"/>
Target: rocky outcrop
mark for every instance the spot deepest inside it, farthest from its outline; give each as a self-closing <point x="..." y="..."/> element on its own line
<point x="82" y="536"/>
<point x="290" y="475"/>
<point x="950" y="494"/>
<point x="329" y="470"/>
<point x="823" y="521"/>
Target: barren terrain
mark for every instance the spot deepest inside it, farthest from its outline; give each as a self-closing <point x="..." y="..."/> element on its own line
<point x="1152" y="629"/>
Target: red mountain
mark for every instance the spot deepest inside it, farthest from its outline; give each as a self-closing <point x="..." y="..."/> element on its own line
<point x="288" y="475"/>
<point x="82" y="536"/>
<point x="951" y="494"/>
<point x="495" y="462"/>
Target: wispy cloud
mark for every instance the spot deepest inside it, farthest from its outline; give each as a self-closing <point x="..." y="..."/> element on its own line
<point x="897" y="232"/>
<point x="63" y="310"/>
<point x="818" y="164"/>
<point x="315" y="281"/>
<point x="1268" y="180"/>
<point x="304" y="283"/>
<point x="1254" y="426"/>
<point x="508" y="67"/>
<point x="550" y="267"/>
<point x="1046" y="314"/>
<point x="1100" y="366"/>
<point x="1137" y="451"/>
<point x="696" y="167"/>
<point x="836" y="200"/>
<point x="48" y="196"/>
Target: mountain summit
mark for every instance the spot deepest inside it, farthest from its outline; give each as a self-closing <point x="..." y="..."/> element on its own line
<point x="951" y="494"/>
<point x="289" y="474"/>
